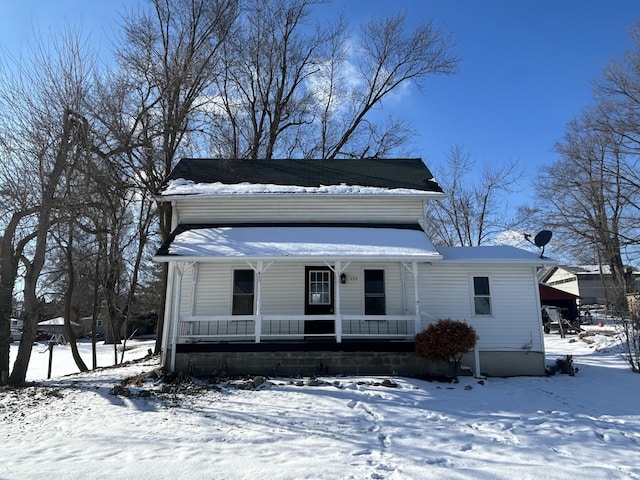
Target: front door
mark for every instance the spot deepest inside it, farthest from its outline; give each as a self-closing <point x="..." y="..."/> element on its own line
<point x="318" y="299"/>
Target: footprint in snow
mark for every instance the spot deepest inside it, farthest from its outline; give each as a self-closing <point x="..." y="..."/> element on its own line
<point x="440" y="461"/>
<point x="361" y="452"/>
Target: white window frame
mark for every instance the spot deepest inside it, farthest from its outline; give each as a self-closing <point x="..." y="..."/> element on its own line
<point x="385" y="284"/>
<point x="233" y="278"/>
<point x="472" y="287"/>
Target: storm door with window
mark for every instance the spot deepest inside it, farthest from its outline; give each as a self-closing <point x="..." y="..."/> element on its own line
<point x="319" y="299"/>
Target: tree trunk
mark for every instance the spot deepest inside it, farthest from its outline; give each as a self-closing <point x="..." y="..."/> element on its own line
<point x="71" y="338"/>
<point x="34" y="268"/>
<point x="30" y="326"/>
<point x="8" y="274"/>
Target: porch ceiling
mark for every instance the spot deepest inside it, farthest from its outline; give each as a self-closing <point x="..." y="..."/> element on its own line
<point x="397" y="243"/>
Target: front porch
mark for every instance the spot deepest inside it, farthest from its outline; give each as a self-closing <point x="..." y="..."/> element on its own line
<point x="274" y="283"/>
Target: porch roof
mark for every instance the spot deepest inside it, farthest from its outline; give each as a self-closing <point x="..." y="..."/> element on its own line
<point x="220" y="243"/>
<point x="493" y="254"/>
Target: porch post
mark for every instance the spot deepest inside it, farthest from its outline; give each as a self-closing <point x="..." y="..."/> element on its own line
<point x="176" y="313"/>
<point x="338" y="321"/>
<point x="194" y="280"/>
<point x="416" y="291"/>
<point x="168" y="309"/>
<point x="258" y="326"/>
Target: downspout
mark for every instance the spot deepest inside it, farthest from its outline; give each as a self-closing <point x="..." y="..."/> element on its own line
<point x="476" y="358"/>
<point x="176" y="315"/>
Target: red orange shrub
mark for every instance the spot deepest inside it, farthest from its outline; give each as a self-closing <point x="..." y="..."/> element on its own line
<point x="446" y="340"/>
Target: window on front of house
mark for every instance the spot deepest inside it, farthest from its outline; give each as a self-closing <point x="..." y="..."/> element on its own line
<point x="243" y="286"/>
<point x="374" y="297"/>
<point x="481" y="296"/>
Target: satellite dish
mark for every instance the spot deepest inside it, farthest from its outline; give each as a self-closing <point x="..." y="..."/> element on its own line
<point x="542" y="238"/>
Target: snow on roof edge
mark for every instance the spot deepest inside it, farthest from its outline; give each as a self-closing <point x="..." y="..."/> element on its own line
<point x="182" y="187"/>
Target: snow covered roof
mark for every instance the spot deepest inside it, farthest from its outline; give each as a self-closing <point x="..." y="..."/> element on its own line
<point x="592" y="269"/>
<point x="207" y="177"/>
<point x="58" y="321"/>
<point x="298" y="242"/>
<point x="493" y="254"/>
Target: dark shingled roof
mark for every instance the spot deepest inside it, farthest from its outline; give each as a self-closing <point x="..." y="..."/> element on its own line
<point x="409" y="173"/>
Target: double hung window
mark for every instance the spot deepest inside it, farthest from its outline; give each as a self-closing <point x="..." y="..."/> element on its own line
<point x="243" y="292"/>
<point x="374" y="295"/>
<point x="481" y="296"/>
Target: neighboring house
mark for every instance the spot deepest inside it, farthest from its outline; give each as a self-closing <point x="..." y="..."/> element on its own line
<point x="593" y="284"/>
<point x="16" y="323"/>
<point x="55" y="326"/>
<point x="322" y="266"/>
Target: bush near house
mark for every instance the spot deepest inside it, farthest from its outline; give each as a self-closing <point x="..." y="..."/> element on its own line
<point x="446" y="340"/>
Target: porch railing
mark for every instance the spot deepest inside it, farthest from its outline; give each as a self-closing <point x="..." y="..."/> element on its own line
<point x="293" y="327"/>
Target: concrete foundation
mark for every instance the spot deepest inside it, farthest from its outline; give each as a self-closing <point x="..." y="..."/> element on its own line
<point x="393" y="358"/>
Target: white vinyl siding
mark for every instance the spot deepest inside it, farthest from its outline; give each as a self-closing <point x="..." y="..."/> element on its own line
<point x="294" y="208"/>
<point x="283" y="292"/>
<point x="213" y="290"/>
<point x="565" y="281"/>
<point x="283" y="289"/>
<point x="515" y="320"/>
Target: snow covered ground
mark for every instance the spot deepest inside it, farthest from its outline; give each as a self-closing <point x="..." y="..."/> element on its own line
<point x="558" y="427"/>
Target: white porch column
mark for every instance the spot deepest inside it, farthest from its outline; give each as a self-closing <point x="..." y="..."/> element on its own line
<point x="416" y="291"/>
<point x="168" y="316"/>
<point x="175" y="218"/>
<point x="176" y="312"/>
<point x="259" y="270"/>
<point x="194" y="284"/>
<point x="338" y="321"/>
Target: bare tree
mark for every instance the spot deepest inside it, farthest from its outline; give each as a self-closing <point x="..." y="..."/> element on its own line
<point x="594" y="187"/>
<point x="290" y="89"/>
<point x="618" y="115"/>
<point x="41" y="98"/>
<point x="390" y="56"/>
<point x="588" y="199"/>
<point x="474" y="211"/>
<point x="167" y="59"/>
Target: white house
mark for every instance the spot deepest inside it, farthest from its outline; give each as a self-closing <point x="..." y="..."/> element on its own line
<point x="323" y="266"/>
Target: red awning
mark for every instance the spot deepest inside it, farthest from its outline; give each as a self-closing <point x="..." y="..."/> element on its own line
<point x="550" y="293"/>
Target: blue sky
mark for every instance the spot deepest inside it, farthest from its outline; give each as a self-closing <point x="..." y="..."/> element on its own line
<point x="527" y="66"/>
